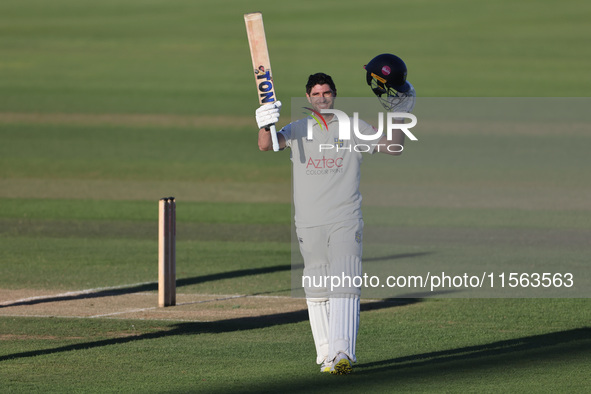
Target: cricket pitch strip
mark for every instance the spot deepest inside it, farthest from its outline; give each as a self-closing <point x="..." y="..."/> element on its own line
<point x="110" y="303"/>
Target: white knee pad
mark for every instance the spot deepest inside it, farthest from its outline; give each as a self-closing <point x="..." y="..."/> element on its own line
<point x="315" y="281"/>
<point x="345" y="276"/>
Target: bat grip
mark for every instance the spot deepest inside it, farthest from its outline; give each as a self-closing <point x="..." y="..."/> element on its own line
<point x="274" y="138"/>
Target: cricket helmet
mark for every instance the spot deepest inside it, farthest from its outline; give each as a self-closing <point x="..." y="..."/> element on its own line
<point x="387" y="72"/>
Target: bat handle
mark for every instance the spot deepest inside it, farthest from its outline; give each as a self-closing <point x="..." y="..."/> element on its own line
<point x="274" y="138"/>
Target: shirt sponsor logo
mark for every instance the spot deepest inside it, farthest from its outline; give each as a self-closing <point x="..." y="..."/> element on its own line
<point x="324" y="163"/>
<point x="324" y="166"/>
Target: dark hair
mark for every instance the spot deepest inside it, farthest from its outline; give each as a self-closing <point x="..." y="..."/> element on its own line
<point x="320" y="79"/>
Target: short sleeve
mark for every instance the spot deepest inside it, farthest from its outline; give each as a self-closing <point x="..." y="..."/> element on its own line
<point x="286" y="132"/>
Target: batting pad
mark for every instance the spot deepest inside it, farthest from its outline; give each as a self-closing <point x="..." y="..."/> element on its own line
<point x="345" y="276"/>
<point x="317" y="280"/>
<point x="318" y="314"/>
<point x="343" y="326"/>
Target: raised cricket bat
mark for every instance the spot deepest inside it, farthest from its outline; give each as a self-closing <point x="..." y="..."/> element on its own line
<point x="261" y="64"/>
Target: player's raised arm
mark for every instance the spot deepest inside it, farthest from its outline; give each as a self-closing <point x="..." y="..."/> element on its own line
<point x="267" y="115"/>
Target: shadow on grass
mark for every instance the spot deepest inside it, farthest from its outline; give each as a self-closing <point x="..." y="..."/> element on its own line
<point x="216" y="327"/>
<point x="396" y="256"/>
<point x="153" y="286"/>
<point x="551" y="347"/>
<point x="480" y="351"/>
<point x="404" y="373"/>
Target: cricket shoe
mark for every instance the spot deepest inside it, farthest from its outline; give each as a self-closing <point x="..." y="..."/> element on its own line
<point x="326" y="366"/>
<point x="341" y="365"/>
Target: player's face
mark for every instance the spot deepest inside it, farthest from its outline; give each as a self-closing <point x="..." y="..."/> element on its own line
<point x="321" y="97"/>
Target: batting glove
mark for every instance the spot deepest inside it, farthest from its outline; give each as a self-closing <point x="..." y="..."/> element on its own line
<point x="268" y="114"/>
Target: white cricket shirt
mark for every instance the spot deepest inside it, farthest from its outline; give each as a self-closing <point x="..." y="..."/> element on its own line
<point x="326" y="171"/>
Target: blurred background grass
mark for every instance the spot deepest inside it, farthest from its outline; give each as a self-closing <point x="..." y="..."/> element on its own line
<point x="192" y="57"/>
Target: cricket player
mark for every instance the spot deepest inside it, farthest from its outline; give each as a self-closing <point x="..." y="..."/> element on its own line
<point x="328" y="217"/>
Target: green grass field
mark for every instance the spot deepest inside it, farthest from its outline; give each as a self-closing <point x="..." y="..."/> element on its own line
<point x="105" y="107"/>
